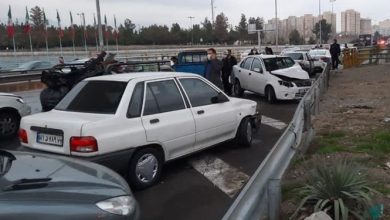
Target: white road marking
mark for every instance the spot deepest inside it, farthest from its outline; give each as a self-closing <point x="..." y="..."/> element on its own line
<point x="227" y="178"/>
<point x="273" y="123"/>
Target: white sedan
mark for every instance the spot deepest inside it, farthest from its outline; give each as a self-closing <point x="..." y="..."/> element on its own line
<point x="276" y="77"/>
<point x="12" y="109"/>
<point x="139" y="121"/>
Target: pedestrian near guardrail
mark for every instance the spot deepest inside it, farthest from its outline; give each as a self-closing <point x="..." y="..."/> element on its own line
<point x="335" y="52"/>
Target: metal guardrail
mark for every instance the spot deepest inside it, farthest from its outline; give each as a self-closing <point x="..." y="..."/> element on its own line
<point x="261" y="196"/>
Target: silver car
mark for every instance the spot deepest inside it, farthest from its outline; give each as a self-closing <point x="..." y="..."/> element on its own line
<point x="12" y="109"/>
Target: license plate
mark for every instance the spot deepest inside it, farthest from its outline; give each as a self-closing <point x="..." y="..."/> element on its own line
<point x="50" y="139"/>
<point x="303" y="90"/>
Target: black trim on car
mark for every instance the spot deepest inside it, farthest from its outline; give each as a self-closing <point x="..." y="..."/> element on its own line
<point x="47" y="130"/>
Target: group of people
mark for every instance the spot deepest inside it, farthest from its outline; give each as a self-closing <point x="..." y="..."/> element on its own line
<point x="219" y="72"/>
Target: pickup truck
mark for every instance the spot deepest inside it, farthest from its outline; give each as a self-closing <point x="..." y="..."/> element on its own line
<point x="192" y="61"/>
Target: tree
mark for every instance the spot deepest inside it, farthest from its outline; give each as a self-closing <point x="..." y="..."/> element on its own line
<point x="377" y="36"/>
<point x="242" y="28"/>
<point x="326" y="30"/>
<point x="221" y="26"/>
<point x="36" y="17"/>
<point x="295" y="38"/>
<point x="207" y="29"/>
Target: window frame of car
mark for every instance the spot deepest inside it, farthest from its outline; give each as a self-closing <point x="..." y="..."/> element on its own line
<point x="162" y="80"/>
<point x="139" y="113"/>
<point x="212" y="86"/>
<point x="261" y="66"/>
<point x="243" y="66"/>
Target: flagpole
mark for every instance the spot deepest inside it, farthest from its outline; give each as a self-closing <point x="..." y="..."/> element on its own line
<point x="60" y="43"/>
<point x="31" y="48"/>
<point x="74" y="50"/>
<point x="47" y="47"/>
<point x="13" y="40"/>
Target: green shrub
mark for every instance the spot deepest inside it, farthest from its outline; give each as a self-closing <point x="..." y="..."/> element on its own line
<point x="339" y="189"/>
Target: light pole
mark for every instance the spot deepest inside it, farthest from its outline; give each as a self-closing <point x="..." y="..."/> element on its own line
<point x="333" y="27"/>
<point x="100" y="28"/>
<point x="320" y="16"/>
<point x="192" y="30"/>
<point x="276" y="24"/>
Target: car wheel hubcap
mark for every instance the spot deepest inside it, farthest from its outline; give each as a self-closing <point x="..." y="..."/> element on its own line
<point x="7" y="126"/>
<point x="249" y="132"/>
<point x="236" y="88"/>
<point x="147" y="167"/>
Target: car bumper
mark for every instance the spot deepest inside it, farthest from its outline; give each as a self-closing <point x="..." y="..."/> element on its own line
<point x="117" y="161"/>
<point x="294" y="93"/>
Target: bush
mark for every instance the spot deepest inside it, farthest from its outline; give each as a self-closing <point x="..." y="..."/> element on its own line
<point x="339" y="189"/>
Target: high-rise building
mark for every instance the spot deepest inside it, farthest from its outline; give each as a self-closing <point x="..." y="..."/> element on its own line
<point x="365" y="26"/>
<point x="330" y="19"/>
<point x="350" y="22"/>
<point x="384" y="27"/>
<point x="309" y="22"/>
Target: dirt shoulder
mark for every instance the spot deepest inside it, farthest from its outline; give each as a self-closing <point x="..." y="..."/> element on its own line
<point x="354" y="123"/>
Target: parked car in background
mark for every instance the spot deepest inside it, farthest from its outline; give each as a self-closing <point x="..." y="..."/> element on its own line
<point x="33" y="65"/>
<point x="37" y="186"/>
<point x="320" y="56"/>
<point x="289" y="49"/>
<point x="191" y="61"/>
<point x="12" y="109"/>
<point x="133" y="126"/>
<point x="276" y="77"/>
<point x="303" y="58"/>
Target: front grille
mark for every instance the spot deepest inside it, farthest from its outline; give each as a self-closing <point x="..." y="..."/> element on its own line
<point x="303" y="83"/>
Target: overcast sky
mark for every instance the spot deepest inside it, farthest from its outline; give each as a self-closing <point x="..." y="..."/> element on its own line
<point x="146" y="12"/>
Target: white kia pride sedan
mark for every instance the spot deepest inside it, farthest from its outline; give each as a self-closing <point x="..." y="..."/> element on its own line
<point x="136" y="122"/>
<point x="275" y="77"/>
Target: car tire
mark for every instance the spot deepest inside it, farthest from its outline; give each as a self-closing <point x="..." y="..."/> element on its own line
<point x="245" y="132"/>
<point x="270" y="94"/>
<point x="9" y="124"/>
<point x="141" y="177"/>
<point x="238" y="91"/>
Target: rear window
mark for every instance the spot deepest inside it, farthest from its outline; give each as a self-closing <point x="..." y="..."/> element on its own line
<point x="100" y="97"/>
<point x="317" y="52"/>
<point x="295" y="56"/>
<point x="277" y="63"/>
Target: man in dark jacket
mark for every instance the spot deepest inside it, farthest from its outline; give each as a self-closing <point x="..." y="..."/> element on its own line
<point x="228" y="62"/>
<point x="213" y="68"/>
<point x="335" y="51"/>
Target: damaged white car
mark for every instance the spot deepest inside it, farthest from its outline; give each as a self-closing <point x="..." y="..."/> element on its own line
<point x="275" y="77"/>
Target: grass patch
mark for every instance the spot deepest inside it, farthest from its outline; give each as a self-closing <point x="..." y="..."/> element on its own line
<point x="291" y="191"/>
<point x="330" y="142"/>
<point x="382" y="189"/>
<point x="377" y="144"/>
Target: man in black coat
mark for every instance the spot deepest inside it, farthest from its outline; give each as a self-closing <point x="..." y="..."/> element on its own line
<point x="335" y="51"/>
<point x="213" y="68"/>
<point x="227" y="67"/>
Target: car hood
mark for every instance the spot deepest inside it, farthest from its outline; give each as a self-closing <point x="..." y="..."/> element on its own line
<point x="295" y="72"/>
<point x="62" y="179"/>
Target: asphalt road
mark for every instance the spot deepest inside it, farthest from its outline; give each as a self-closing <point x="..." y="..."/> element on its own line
<point x="203" y="185"/>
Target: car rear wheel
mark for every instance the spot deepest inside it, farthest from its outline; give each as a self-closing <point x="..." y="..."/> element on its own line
<point x="9" y="124"/>
<point x="270" y="94"/>
<point x="145" y="168"/>
<point x="244" y="135"/>
<point x="238" y="91"/>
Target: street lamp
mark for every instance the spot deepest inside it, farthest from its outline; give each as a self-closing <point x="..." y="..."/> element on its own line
<point x="99" y="18"/>
<point x="192" y="30"/>
<point x="276" y="24"/>
<point x="320" y="16"/>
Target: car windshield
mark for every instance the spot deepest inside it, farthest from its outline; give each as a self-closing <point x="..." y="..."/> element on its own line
<point x="277" y="63"/>
<point x="295" y="56"/>
<point x="100" y="97"/>
<point x="318" y="52"/>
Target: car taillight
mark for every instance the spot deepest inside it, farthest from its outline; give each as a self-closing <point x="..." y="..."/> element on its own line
<point x="23" y="136"/>
<point x="324" y="58"/>
<point x="83" y="144"/>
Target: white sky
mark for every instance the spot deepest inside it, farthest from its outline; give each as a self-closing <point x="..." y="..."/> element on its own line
<point x="146" y="12"/>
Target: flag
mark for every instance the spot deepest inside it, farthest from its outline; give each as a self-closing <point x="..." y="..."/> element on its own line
<point x="72" y="30"/>
<point x="45" y="23"/>
<point x="85" y="28"/>
<point x="60" y="32"/>
<point x="105" y="27"/>
<point x="116" y="32"/>
<point x="27" y="26"/>
<point x="10" y="26"/>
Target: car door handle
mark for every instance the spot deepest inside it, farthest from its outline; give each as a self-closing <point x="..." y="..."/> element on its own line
<point x="239" y="71"/>
<point x="200" y="112"/>
<point x="250" y="74"/>
<point x="154" y="121"/>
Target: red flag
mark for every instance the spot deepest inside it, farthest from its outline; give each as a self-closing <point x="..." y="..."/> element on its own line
<point x="10" y="26"/>
<point x="27" y="26"/>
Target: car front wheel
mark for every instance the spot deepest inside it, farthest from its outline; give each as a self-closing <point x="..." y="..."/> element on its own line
<point x="9" y="124"/>
<point x="244" y="135"/>
<point x="145" y="168"/>
<point x="270" y="94"/>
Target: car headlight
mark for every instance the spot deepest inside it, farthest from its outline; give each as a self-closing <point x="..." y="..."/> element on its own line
<point x="286" y="84"/>
<point x="20" y="100"/>
<point x="122" y="205"/>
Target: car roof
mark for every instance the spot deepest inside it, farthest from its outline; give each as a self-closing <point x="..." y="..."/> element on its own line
<point x="265" y="56"/>
<point x="125" y="77"/>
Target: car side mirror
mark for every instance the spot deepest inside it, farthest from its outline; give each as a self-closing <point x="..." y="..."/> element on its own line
<point x="258" y="70"/>
<point x="6" y="160"/>
<point x="220" y="98"/>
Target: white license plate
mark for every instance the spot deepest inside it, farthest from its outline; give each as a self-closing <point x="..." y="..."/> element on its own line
<point x="303" y="90"/>
<point x="56" y="140"/>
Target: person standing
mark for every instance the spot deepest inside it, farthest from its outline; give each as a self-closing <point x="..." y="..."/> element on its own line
<point x="335" y="51"/>
<point x="227" y="67"/>
<point x="213" y="68"/>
